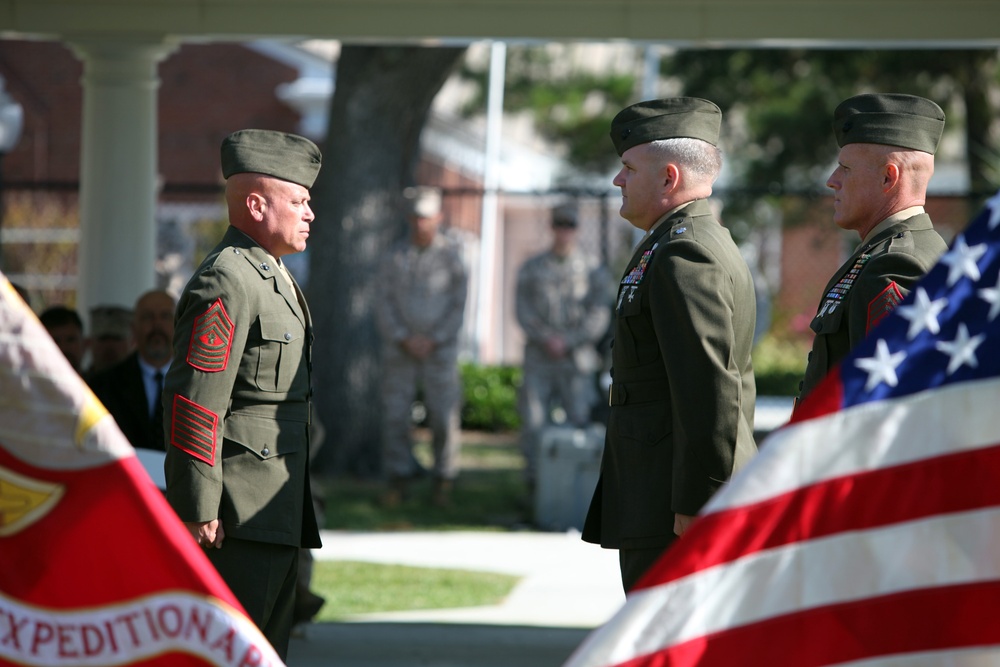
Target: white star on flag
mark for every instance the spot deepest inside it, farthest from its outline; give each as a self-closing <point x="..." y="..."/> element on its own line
<point x="994" y="205"/>
<point x="991" y="295"/>
<point x="961" y="260"/>
<point x="962" y="350"/>
<point x="881" y="367"/>
<point x="922" y="314"/>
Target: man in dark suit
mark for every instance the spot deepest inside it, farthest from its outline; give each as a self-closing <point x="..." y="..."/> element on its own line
<point x="880" y="185"/>
<point x="132" y="388"/>
<point x="683" y="392"/>
<point x="238" y="397"/>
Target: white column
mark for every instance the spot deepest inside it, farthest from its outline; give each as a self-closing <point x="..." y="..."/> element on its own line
<point x="118" y="169"/>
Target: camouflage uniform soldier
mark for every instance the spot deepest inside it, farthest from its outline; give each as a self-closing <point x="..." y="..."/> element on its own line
<point x="419" y="317"/>
<point x="564" y="307"/>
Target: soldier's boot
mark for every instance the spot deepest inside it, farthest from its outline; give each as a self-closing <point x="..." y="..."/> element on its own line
<point x="441" y="496"/>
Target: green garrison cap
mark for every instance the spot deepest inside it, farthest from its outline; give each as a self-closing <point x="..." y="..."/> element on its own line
<point x="891" y="119"/>
<point x="278" y="154"/>
<point x="670" y="118"/>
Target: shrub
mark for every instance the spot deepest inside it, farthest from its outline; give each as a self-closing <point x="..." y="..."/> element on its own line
<point x="778" y="365"/>
<point x="490" y="397"/>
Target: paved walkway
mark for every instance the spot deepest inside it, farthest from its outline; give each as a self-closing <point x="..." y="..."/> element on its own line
<point x="567" y="588"/>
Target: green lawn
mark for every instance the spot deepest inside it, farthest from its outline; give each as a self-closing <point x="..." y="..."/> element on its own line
<point x="352" y="588"/>
<point x="489" y="494"/>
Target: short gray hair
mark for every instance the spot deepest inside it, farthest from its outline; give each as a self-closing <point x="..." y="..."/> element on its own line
<point x="699" y="157"/>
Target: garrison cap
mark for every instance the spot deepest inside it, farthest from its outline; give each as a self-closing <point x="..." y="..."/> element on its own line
<point x="564" y="215"/>
<point x="422" y="201"/>
<point x="890" y="119"/>
<point x="278" y="154"/>
<point x="110" y="322"/>
<point x="671" y="118"/>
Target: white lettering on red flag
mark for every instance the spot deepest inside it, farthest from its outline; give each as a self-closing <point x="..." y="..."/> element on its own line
<point x="866" y="531"/>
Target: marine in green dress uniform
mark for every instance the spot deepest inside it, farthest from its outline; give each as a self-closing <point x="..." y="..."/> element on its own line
<point x="683" y="392"/>
<point x="880" y="184"/>
<point x="237" y="396"/>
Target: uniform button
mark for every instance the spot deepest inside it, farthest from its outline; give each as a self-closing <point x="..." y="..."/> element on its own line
<point x="265" y="451"/>
<point x="265" y="266"/>
<point x="288" y="336"/>
<point x="236" y="250"/>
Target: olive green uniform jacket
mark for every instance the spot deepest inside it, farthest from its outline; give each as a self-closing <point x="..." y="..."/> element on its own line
<point x="237" y="399"/>
<point x="683" y="392"/>
<point x="879" y="275"/>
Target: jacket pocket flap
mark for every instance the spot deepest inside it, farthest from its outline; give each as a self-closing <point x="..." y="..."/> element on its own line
<point x="265" y="437"/>
<point x="277" y="328"/>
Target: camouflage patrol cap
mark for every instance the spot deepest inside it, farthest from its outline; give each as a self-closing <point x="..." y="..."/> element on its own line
<point x="670" y="118"/>
<point x="890" y="119"/>
<point x="278" y="154"/>
<point x="109" y="321"/>
<point x="422" y="201"/>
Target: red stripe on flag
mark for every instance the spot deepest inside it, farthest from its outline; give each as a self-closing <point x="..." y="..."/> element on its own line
<point x="826" y="398"/>
<point x="940" y="485"/>
<point x="906" y="622"/>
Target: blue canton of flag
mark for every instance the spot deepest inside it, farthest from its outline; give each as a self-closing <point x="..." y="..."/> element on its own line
<point x="945" y="331"/>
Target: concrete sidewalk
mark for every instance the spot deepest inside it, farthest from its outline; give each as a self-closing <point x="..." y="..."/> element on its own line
<point x="567" y="589"/>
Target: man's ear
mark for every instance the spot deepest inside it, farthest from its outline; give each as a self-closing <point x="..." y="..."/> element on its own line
<point x="256" y="206"/>
<point x="890" y="176"/>
<point x="671" y="178"/>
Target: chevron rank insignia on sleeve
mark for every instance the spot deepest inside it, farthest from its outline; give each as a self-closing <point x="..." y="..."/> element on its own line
<point x="192" y="429"/>
<point x="211" y="339"/>
<point x="883" y="304"/>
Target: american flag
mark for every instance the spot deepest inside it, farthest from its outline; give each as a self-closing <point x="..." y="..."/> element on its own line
<point x="867" y="530"/>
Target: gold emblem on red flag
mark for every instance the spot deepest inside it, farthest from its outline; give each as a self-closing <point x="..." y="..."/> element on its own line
<point x="24" y="500"/>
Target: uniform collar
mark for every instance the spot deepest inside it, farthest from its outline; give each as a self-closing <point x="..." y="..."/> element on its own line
<point x="666" y="216"/>
<point x="898" y="216"/>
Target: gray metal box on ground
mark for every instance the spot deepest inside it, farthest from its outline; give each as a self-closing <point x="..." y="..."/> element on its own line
<point x="569" y="463"/>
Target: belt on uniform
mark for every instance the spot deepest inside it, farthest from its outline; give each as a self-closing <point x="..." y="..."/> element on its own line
<point x="298" y="411"/>
<point x="647" y="391"/>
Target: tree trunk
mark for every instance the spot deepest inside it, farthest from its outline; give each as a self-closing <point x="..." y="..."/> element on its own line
<point x="382" y="98"/>
<point x="979" y="85"/>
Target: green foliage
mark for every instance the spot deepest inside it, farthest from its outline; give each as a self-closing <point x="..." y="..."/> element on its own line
<point x="786" y="97"/>
<point x="570" y="105"/>
<point x="778" y="365"/>
<point x="490" y="397"/>
<point x="353" y="588"/>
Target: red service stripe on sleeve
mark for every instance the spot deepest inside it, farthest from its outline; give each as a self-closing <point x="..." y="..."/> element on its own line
<point x="211" y="339"/>
<point x="883" y="304"/>
<point x="192" y="429"/>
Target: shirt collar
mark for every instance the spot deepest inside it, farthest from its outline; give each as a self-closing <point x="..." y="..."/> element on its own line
<point x="149" y="370"/>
